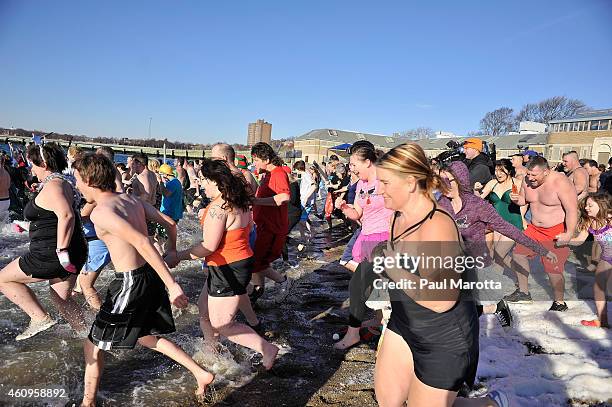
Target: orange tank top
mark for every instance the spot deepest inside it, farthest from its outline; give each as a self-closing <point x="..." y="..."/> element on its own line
<point x="234" y="245"/>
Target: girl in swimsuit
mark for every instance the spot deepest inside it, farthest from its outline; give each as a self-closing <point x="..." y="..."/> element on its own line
<point x="596" y="218"/>
<point x="431" y="345"/>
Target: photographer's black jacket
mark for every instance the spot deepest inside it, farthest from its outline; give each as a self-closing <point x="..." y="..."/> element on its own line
<point x="481" y="169"/>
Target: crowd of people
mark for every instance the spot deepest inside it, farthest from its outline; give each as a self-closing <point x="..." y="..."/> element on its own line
<point x="83" y="210"/>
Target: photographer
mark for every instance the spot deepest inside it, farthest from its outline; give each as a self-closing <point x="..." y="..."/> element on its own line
<point x="479" y="164"/>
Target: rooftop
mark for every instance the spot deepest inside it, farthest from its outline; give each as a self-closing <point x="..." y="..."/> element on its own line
<point x="586" y="115"/>
<point x="344" y="136"/>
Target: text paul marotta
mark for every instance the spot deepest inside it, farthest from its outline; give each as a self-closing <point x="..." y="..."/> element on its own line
<point x="413" y="263"/>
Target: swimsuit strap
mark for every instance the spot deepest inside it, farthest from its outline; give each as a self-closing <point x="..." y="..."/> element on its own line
<point x="410" y="228"/>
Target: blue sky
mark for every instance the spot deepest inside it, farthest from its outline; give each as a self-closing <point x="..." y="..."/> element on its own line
<point x="203" y="70"/>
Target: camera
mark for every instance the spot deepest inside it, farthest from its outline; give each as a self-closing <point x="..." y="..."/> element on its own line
<point x="455" y="153"/>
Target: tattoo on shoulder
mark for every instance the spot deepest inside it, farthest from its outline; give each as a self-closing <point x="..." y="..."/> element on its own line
<point x="216" y="212"/>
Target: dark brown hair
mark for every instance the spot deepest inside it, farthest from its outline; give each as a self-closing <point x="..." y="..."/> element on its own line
<point x="234" y="189"/>
<point x="96" y="170"/>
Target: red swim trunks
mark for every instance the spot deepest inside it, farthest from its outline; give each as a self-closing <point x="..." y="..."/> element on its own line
<point x="545" y="236"/>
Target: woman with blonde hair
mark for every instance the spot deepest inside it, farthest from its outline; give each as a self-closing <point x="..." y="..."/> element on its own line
<point x="430" y="346"/>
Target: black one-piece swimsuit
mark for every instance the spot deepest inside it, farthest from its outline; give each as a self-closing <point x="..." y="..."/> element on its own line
<point x="444" y="345"/>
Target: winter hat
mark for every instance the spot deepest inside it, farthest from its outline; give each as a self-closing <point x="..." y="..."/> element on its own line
<point x="242" y="162"/>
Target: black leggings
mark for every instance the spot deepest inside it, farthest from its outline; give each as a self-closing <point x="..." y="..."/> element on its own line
<point x="360" y="288"/>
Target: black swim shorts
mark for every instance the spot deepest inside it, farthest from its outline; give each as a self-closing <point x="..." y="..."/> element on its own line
<point x="136" y="305"/>
<point x="229" y="279"/>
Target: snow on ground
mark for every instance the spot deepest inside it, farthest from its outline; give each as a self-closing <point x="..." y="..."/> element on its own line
<point x="548" y="358"/>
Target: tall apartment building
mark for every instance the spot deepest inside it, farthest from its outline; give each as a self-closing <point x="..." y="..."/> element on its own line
<point x="259" y="131"/>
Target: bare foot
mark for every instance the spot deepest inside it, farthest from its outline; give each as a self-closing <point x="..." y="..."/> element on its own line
<point x="351" y="338"/>
<point x="91" y="403"/>
<point x="203" y="378"/>
<point x="269" y="356"/>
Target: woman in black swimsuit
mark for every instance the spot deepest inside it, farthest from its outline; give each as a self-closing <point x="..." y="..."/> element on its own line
<point x="430" y="347"/>
<point x="57" y="246"/>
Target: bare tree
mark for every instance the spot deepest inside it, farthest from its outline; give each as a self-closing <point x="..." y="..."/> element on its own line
<point x="557" y="107"/>
<point x="419" y="133"/>
<point x="498" y="122"/>
<point x="475" y="133"/>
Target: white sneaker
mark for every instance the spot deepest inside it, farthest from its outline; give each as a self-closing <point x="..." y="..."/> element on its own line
<point x="36" y="327"/>
<point x="500" y="398"/>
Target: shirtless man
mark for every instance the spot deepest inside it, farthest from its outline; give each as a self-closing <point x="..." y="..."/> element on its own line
<point x="594" y="173"/>
<point x="576" y="174"/>
<point x="5" y="199"/>
<point x="554" y="209"/>
<point x="517" y="163"/>
<point x="181" y="173"/>
<point x="144" y="186"/>
<point x="137" y="306"/>
<point x="223" y="151"/>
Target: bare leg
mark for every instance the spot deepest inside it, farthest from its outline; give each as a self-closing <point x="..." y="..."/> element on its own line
<point x="94" y="364"/>
<point x="247" y="310"/>
<point x="207" y="329"/>
<point x="61" y="295"/>
<point x="393" y="371"/>
<point x="522" y="271"/>
<point x="13" y="285"/>
<point x="87" y="282"/>
<point x="222" y="312"/>
<point x="177" y="354"/>
<point x="272" y="275"/>
<point x="602" y="275"/>
<point x="557" y="281"/>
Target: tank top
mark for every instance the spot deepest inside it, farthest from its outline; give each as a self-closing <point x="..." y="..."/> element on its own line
<point x="507" y="209"/>
<point x="234" y="245"/>
<point x="375" y="218"/>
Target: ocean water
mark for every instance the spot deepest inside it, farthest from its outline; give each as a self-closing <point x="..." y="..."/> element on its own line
<point x="119" y="157"/>
<point x="132" y="377"/>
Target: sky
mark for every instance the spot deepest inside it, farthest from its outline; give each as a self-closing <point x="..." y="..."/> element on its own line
<point x="200" y="71"/>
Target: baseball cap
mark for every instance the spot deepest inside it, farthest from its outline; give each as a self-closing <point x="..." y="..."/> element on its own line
<point x="531" y="153"/>
<point x="474" y="143"/>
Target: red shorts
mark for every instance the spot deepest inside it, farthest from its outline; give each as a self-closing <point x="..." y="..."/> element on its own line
<point x="546" y="236"/>
<point x="268" y="247"/>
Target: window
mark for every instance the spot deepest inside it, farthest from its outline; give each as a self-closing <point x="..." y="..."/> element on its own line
<point x="556" y="153"/>
<point x="594" y="124"/>
<point x="603" y="125"/>
<point x="583" y="126"/>
<point x="575" y="126"/>
<point x="306" y="158"/>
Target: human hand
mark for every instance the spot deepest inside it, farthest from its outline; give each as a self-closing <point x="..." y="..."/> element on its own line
<point x="563" y="238"/>
<point x="339" y="202"/>
<point x="514" y="197"/>
<point x="477" y="186"/>
<point x="177" y="297"/>
<point x="64" y="258"/>
<point x="552" y="257"/>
